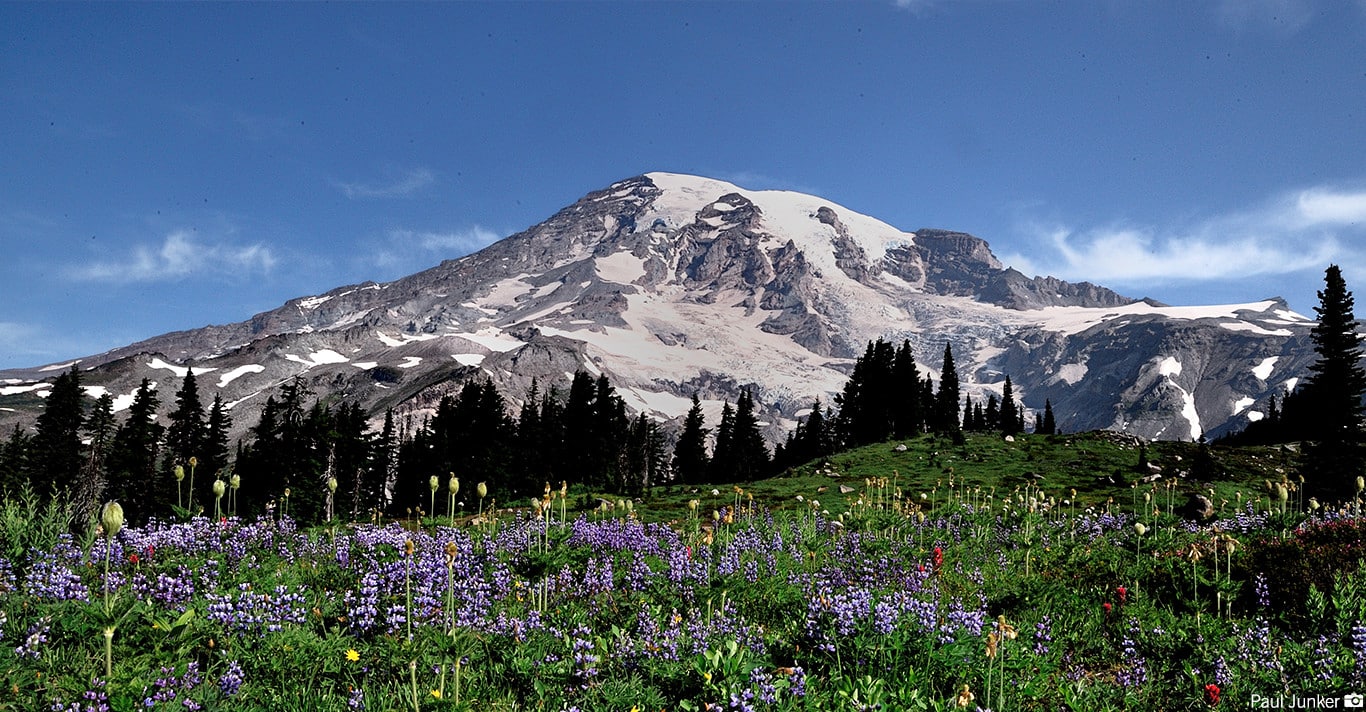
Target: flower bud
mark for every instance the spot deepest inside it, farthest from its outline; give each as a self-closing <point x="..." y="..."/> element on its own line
<point x="179" y="473"/>
<point x="235" y="481"/>
<point x="1140" y="528"/>
<point x="453" y="486"/>
<point x="331" y="485"/>
<point x="194" y="461"/>
<point x="482" y="489"/>
<point x="434" y="482"/>
<point x="112" y="518"/>
<point x="1361" y="483"/>
<point x="219" y="487"/>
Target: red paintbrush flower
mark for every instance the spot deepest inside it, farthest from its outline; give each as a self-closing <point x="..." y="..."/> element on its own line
<point x="1123" y="595"/>
<point x="1212" y="694"/>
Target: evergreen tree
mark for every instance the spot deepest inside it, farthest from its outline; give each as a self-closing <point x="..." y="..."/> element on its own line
<point x="1050" y="426"/>
<point x="868" y="405"/>
<point x="132" y="464"/>
<point x="56" y="456"/>
<point x="611" y="431"/>
<point x="749" y="452"/>
<point x="810" y="440"/>
<point x="723" y="451"/>
<point x="351" y="444"/>
<point x="582" y="461"/>
<point x="1335" y="389"/>
<point x="215" y="449"/>
<point x="14" y="456"/>
<point x="185" y="435"/>
<point x="991" y="415"/>
<point x="529" y="454"/>
<point x="379" y="473"/>
<point x="690" y="452"/>
<point x="100" y="428"/>
<point x="645" y="456"/>
<point x="948" y="397"/>
<point x="909" y="411"/>
<point x="1011" y="423"/>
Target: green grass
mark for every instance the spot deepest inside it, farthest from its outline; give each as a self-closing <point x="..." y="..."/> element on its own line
<point x="1102" y="467"/>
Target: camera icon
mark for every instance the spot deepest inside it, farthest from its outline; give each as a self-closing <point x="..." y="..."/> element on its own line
<point x="1353" y="700"/>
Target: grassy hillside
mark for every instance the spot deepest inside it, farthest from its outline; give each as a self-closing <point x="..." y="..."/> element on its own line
<point x="1101" y="466"/>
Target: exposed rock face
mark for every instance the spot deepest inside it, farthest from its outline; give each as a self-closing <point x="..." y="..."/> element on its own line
<point x="677" y="284"/>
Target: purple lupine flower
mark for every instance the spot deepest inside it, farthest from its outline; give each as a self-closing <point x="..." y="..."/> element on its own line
<point x="94" y="699"/>
<point x="231" y="680"/>
<point x="1043" y="635"/>
<point x="34" y="639"/>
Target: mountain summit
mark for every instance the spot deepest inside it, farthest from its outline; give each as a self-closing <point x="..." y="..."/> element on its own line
<point x="673" y="285"/>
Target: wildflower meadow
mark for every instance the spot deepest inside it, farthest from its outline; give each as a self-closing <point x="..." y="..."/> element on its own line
<point x="878" y="592"/>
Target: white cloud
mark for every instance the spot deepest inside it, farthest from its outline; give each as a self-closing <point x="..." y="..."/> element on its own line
<point x="395" y="187"/>
<point x="913" y="5"/>
<point x="180" y="255"/>
<point x="1322" y="206"/>
<point x="1299" y="231"/>
<point x="1277" y="16"/>
<point x="416" y="249"/>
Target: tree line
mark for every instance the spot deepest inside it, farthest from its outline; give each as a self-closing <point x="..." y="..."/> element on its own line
<point x="312" y="457"/>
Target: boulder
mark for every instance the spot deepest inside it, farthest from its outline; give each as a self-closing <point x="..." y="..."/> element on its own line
<point x="1198" y="507"/>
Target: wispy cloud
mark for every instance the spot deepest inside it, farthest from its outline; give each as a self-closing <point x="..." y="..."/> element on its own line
<point x="1295" y="232"/>
<point x="180" y="255"/>
<point x="1277" y="16"/>
<point x="915" y="6"/>
<point x="398" y="186"/>
<point x="405" y="249"/>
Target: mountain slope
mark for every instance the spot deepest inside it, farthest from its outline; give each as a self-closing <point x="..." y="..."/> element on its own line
<point x="675" y="284"/>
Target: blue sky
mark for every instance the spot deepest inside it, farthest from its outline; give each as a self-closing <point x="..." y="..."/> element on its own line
<point x="170" y="165"/>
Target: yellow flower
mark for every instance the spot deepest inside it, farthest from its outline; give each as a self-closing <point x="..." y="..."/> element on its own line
<point x="352" y="655"/>
<point x="436" y="694"/>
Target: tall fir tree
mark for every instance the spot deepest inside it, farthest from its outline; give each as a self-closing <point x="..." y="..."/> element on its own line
<point x="948" y="396"/>
<point x="1050" y="424"/>
<point x="14" y="457"/>
<point x="722" y="467"/>
<point x="907" y="402"/>
<point x="56" y="457"/>
<point x="185" y="435"/>
<point x="1011" y="423"/>
<point x="690" y="460"/>
<point x="100" y="427"/>
<point x="133" y="456"/>
<point x="749" y="453"/>
<point x="379" y="473"/>
<point x="582" y="460"/>
<point x="1335" y="458"/>
<point x="216" y="448"/>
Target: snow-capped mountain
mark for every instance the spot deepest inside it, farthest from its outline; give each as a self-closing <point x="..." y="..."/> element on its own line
<point x="675" y="284"/>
